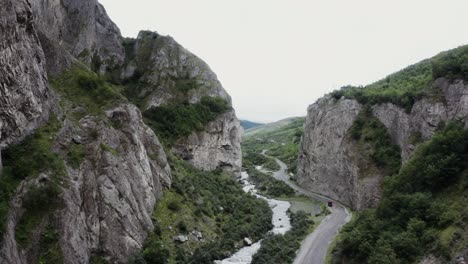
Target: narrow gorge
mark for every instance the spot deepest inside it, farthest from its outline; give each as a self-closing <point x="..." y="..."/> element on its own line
<point x="129" y="150"/>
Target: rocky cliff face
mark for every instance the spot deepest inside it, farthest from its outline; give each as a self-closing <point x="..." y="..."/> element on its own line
<point x="427" y="114"/>
<point x="216" y="147"/>
<point x="107" y="199"/>
<point x="25" y="99"/>
<point x="111" y="197"/>
<point x="331" y="164"/>
<point x="166" y="73"/>
<point x="326" y="164"/>
<point x="83" y="29"/>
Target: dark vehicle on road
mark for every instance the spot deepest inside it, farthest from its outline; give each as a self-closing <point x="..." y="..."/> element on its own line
<point x="330" y="204"/>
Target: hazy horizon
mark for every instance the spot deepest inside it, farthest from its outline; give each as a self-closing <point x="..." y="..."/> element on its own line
<point x="275" y="57"/>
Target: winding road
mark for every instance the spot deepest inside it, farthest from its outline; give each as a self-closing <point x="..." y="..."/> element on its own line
<point x="314" y="248"/>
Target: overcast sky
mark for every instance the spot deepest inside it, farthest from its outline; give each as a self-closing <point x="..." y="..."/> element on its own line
<point x="276" y="57"/>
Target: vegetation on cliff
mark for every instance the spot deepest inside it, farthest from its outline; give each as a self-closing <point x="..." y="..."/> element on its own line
<point x="405" y="87"/>
<point x="212" y="203"/>
<point x="25" y="161"/>
<point x="173" y="121"/>
<point x="423" y="209"/>
<point x="375" y="142"/>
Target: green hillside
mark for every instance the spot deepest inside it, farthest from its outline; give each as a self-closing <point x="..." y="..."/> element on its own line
<point x="280" y="139"/>
<point x="405" y="87"/>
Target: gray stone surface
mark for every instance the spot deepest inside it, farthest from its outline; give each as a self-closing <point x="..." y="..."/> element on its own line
<point x="25" y="99"/>
<point x="425" y="116"/>
<point x="81" y="27"/>
<point x="218" y="146"/>
<point x="162" y="62"/>
<point x="109" y="199"/>
<point x="329" y="162"/>
<point x="325" y="162"/>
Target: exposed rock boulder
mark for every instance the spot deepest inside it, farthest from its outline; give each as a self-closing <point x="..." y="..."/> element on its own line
<point x="25" y="99"/>
<point x="218" y="146"/>
<point x="83" y="28"/>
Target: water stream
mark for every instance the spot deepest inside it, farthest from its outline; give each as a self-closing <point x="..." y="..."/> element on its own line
<point x="280" y="220"/>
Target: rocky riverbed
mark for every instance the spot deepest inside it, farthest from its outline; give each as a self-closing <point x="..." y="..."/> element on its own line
<point x="280" y="220"/>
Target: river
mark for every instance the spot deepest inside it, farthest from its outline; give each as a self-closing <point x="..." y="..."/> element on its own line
<point x="280" y="220"/>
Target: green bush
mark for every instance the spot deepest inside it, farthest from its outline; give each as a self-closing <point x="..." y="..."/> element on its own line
<point x="28" y="159"/>
<point x="407" y="86"/>
<point x="369" y="131"/>
<point x="76" y="155"/>
<point x="173" y="121"/>
<point x="403" y="88"/>
<point x="451" y="64"/>
<point x="268" y="185"/>
<point x="87" y="89"/>
<point x="209" y="197"/>
<point x="281" y="249"/>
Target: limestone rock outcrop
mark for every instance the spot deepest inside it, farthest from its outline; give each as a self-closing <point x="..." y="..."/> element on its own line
<point x="167" y="71"/>
<point x="25" y="99"/>
<point x="109" y="198"/>
<point x="331" y="164"/>
<point x="426" y="116"/>
<point x="83" y="28"/>
<point x="218" y="146"/>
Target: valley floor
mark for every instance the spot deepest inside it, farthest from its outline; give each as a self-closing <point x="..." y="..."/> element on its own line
<point x="314" y="248"/>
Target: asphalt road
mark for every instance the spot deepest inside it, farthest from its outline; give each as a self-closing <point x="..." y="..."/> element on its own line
<point x="314" y="248"/>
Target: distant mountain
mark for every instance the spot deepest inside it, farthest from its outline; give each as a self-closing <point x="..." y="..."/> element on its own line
<point x="273" y="126"/>
<point x="249" y="124"/>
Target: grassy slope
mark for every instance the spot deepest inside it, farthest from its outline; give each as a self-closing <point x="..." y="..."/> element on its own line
<point x="405" y="87"/>
<point x="281" y="141"/>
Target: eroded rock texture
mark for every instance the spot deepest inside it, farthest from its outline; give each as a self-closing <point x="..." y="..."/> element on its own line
<point x="218" y="146"/>
<point x="331" y="164"/>
<point x="25" y="99"/>
<point x="83" y="28"/>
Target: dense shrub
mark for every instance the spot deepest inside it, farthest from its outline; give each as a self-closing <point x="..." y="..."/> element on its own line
<point x="451" y="64"/>
<point x="176" y="120"/>
<point x="369" y="131"/>
<point x="403" y="88"/>
<point x="87" y="89"/>
<point x="267" y="185"/>
<point x="207" y="195"/>
<point x="419" y="204"/>
<point x="407" y="86"/>
<point x="28" y="159"/>
<point x="281" y="249"/>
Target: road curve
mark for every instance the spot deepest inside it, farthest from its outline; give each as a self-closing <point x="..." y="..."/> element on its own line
<point x="314" y="248"/>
